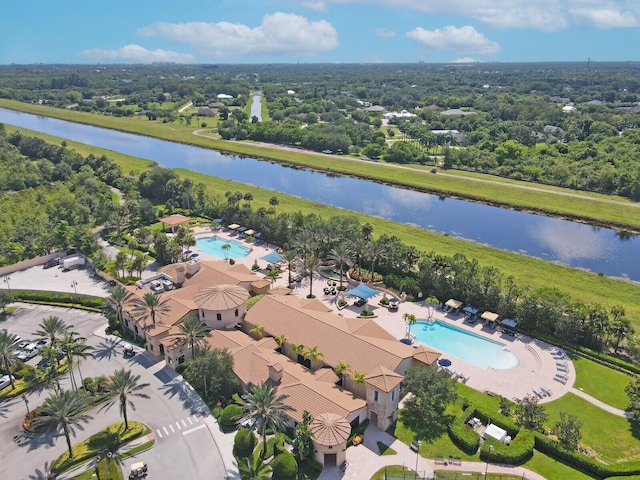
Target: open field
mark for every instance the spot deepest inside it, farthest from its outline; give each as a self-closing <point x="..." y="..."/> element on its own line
<point x="603" y="383"/>
<point x="595" y="208"/>
<point x="527" y="271"/>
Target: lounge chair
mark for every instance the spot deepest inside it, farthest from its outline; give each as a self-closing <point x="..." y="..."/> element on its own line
<point x="560" y="378"/>
<point x="562" y="363"/>
<point x="562" y="368"/>
<point x="557" y="351"/>
<point x="559" y="356"/>
<point x="545" y="390"/>
<point x="537" y="392"/>
<point x="485" y="323"/>
<point x="439" y="306"/>
<point x="465" y="378"/>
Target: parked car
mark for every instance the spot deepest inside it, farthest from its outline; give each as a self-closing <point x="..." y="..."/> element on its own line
<point x="138" y="470"/>
<point x="5" y="381"/>
<point x="394" y="303"/>
<point x="51" y="263"/>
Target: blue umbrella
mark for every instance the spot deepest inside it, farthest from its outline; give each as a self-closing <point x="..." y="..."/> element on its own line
<point x="444" y="362"/>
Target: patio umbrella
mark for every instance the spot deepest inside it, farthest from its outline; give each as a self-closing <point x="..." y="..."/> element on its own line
<point x="444" y="362"/>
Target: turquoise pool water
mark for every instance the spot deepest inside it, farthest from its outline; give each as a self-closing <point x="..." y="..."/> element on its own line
<point x="213" y="246"/>
<point x="464" y="345"/>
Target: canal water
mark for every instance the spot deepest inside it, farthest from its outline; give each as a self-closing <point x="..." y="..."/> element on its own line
<point x="599" y="250"/>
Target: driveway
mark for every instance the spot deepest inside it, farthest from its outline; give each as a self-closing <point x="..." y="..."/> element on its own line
<point x="186" y="440"/>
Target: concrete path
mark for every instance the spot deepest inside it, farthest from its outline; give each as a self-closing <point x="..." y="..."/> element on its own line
<point x="600" y="404"/>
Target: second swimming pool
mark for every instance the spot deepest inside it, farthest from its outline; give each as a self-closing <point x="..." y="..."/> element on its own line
<point x="464" y="345"/>
<point x="213" y="246"/>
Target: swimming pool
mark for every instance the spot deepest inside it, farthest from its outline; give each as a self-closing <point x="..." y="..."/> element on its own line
<point x="213" y="246"/>
<point x="464" y="345"/>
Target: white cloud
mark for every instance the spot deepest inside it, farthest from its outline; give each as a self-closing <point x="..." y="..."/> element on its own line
<point x="545" y="15"/>
<point x="384" y="33"/>
<point x="464" y="39"/>
<point x="135" y="54"/>
<point x="605" y="18"/>
<point x="279" y="33"/>
<point x="318" y="5"/>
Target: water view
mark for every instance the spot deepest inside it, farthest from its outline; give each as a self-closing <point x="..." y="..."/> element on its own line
<point x="600" y="250"/>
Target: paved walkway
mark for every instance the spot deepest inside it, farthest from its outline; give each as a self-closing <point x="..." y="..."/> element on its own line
<point x="600" y="404"/>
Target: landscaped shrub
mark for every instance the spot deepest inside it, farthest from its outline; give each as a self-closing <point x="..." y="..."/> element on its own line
<point x="229" y="417"/>
<point x="89" y="385"/>
<point x="497" y="419"/>
<point x="105" y="440"/>
<point x="518" y="451"/>
<point x="464" y="436"/>
<point x="285" y="467"/>
<point x="244" y="443"/>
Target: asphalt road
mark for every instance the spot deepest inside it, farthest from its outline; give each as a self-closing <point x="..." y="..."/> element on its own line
<point x="184" y="448"/>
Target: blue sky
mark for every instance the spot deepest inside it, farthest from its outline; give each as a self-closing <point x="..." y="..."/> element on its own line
<point x="307" y="31"/>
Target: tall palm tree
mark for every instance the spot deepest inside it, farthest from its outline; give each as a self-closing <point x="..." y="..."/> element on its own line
<point x="359" y="247"/>
<point x="264" y="406"/>
<point x="409" y="321"/>
<point x="290" y="256"/>
<point x="341" y="256"/>
<point x="253" y="468"/>
<point x="150" y="305"/>
<point x="341" y="369"/>
<point x="8" y="353"/>
<point x="52" y="328"/>
<point x="123" y="385"/>
<point x="310" y="266"/>
<point x="62" y="411"/>
<point x="74" y="347"/>
<point x="376" y="252"/>
<point x="225" y="249"/>
<point x="305" y="242"/>
<point x="192" y="329"/>
<point x="118" y="298"/>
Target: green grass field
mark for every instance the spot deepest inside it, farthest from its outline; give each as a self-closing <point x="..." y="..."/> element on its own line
<point x="603" y="383"/>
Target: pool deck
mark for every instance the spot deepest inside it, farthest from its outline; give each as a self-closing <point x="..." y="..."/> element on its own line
<point x="537" y="366"/>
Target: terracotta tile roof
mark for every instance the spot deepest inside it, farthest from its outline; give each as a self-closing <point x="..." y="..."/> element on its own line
<point x="330" y="429"/>
<point x="384" y="379"/>
<point x="326" y="375"/>
<point x="221" y="297"/>
<point x="329" y="332"/>
<point x="424" y="355"/>
<point x="280" y="291"/>
<point x="175" y="219"/>
<point x="261" y="283"/>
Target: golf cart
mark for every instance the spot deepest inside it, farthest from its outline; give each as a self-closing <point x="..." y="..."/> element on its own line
<point x="138" y="470"/>
<point x="129" y="351"/>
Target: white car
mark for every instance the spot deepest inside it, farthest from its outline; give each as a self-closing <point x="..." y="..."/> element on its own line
<point x="5" y="381"/>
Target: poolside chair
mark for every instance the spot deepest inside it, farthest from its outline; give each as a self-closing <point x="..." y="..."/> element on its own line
<point x="545" y="390"/>
<point x="562" y="368"/>
<point x="559" y="356"/>
<point x="560" y="378"/>
<point x="537" y="392"/>
<point x="465" y="379"/>
<point x="557" y="351"/>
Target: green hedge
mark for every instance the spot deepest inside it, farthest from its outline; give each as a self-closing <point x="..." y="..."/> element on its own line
<point x="229" y="417"/>
<point x="285" y="467"/>
<point x="496" y="418"/>
<point x="464" y="436"/>
<point x="244" y="443"/>
<point x="64" y="299"/>
<point x="517" y="452"/>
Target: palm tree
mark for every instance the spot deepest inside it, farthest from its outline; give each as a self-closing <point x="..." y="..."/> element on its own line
<point x="264" y="406"/>
<point x="119" y="297"/>
<point x="290" y="256"/>
<point x="295" y="349"/>
<point x="313" y="354"/>
<point x="225" y="249"/>
<point x="341" y="256"/>
<point x="253" y="468"/>
<point x="258" y="331"/>
<point x="192" y="329"/>
<point x="123" y="384"/>
<point x="8" y="353"/>
<point x="273" y="274"/>
<point x="150" y="306"/>
<point x="409" y="321"/>
<point x="74" y="347"/>
<point x="52" y="328"/>
<point x="342" y="369"/>
<point x="359" y="247"/>
<point x="357" y="378"/>
<point x="281" y="340"/>
<point x="62" y="411"/>
<point x="310" y="266"/>
<point x="248" y="197"/>
<point x="376" y="251"/>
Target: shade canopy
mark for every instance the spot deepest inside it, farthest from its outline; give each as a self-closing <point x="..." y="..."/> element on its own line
<point x="470" y="309"/>
<point x="492" y="317"/>
<point x="509" y="323"/>
<point x="453" y="303"/>
<point x="243" y="229"/>
<point x="273" y="257"/>
<point x="363" y="291"/>
<point x="233" y="226"/>
<point x="258" y="235"/>
<point x="249" y="232"/>
<point x="496" y="432"/>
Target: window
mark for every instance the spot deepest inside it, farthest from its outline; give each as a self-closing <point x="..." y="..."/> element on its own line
<point x="236" y="312"/>
<point x="376" y="396"/>
<point x="393" y="394"/>
<point x="219" y="317"/>
<point x="202" y="313"/>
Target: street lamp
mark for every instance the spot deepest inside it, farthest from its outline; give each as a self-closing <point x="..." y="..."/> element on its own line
<point x="417" y="456"/>
<point x="488" y="458"/>
<point x="74" y="284"/>
<point x="6" y="280"/>
<point x="26" y="403"/>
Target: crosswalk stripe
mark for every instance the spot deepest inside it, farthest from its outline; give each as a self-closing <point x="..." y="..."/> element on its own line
<point x="184" y="423"/>
<point x="172" y="430"/>
<point x="190" y="421"/>
<point x="178" y="425"/>
<point x="166" y="432"/>
<point x="159" y="433"/>
<point x="187" y="432"/>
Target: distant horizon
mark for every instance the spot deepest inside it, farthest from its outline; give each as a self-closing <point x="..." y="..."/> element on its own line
<point x="319" y="31"/>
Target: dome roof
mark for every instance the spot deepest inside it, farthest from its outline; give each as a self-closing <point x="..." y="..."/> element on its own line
<point x="221" y="297"/>
<point x="330" y="429"/>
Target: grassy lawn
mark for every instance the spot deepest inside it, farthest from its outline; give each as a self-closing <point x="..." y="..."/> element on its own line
<point x="603" y="383"/>
<point x="454" y="475"/>
<point x="527" y="271"/>
<point x="612" y="438"/>
<point x="552" y="469"/>
<point x="463" y="185"/>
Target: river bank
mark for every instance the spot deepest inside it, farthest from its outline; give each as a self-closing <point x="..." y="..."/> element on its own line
<point x="591" y="208"/>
